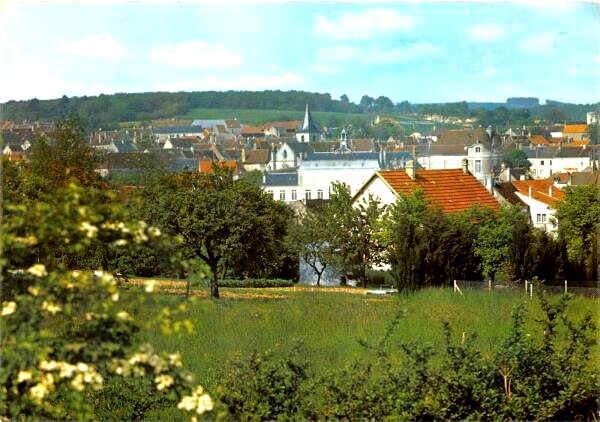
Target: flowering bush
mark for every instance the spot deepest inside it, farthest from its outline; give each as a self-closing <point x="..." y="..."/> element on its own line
<point x="66" y="332"/>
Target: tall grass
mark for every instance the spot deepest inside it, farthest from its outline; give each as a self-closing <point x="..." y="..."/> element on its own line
<point x="330" y="325"/>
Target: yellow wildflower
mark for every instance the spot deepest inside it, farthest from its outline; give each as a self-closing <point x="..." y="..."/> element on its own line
<point x="8" y="308"/>
<point x="23" y="376"/>
<point x="163" y="381"/>
<point x="38" y="270"/>
<point x="52" y="308"/>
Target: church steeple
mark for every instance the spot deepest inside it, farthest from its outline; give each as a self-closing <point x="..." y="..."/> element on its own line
<point x="310" y="130"/>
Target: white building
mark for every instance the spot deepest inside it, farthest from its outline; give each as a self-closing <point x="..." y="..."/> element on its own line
<point x="310" y="131"/>
<point x="540" y="196"/>
<point x="545" y="161"/>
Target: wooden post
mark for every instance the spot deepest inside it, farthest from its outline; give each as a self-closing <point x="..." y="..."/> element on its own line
<point x="565" y="286"/>
<point x="490" y="284"/>
<point x="525" y="286"/>
<point x="530" y="289"/>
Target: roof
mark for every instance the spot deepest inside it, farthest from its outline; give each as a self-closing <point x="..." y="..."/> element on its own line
<point x="252" y="130"/>
<point x="557" y="152"/>
<point x="507" y="191"/>
<point x="586" y="178"/>
<point x="540" y="190"/>
<point x="309" y="124"/>
<point x="362" y="144"/>
<point x="463" y="136"/>
<point x="289" y="124"/>
<point x="539" y="140"/>
<point x="125" y="147"/>
<point x="300" y="147"/>
<point x="452" y="190"/>
<point x="232" y="123"/>
<point x="205" y="166"/>
<point x="257" y="156"/>
<point x="575" y="128"/>
<point x="281" y="179"/>
<point x="208" y="123"/>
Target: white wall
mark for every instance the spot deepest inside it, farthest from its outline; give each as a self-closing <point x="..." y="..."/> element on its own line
<point x="545" y="212"/>
<point x="542" y="168"/>
<point x="378" y="190"/>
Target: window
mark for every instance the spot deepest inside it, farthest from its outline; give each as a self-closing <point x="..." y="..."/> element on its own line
<point x="539" y="218"/>
<point x="477" y="166"/>
<point x="294" y="195"/>
<point x="284" y="154"/>
<point x="550" y="162"/>
<point x="282" y="195"/>
<point x="301" y="138"/>
<point x="477" y="149"/>
<point x="543" y="218"/>
<point x="320" y="194"/>
<point x="541" y="162"/>
<point x="307" y="195"/>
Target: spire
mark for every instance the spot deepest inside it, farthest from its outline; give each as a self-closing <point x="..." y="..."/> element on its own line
<point x="309" y="124"/>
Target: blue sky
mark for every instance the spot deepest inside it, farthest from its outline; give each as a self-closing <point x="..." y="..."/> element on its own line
<point x="415" y="51"/>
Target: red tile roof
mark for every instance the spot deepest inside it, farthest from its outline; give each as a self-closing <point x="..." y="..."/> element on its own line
<point x="257" y="156"/>
<point x="540" y="190"/>
<point x="539" y="140"/>
<point x="205" y="166"/>
<point x="576" y="128"/>
<point x="452" y="190"/>
<point x="289" y="125"/>
<point x="252" y="130"/>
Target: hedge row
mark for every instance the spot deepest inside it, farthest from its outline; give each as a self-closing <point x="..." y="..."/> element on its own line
<point x="256" y="282"/>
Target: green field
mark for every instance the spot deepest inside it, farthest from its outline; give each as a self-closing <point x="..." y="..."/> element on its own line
<point x="330" y="322"/>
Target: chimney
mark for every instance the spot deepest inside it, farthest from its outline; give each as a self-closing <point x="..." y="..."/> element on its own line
<point x="530" y="191"/>
<point x="465" y="166"/>
<point x="243" y="154"/>
<point x="570" y="180"/>
<point x="410" y="169"/>
<point x="550" y="191"/>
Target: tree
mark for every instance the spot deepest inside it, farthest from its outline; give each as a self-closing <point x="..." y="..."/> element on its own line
<point x="593" y="131"/>
<point x="516" y="158"/>
<point x="502" y="243"/>
<point x="366" y="102"/>
<point x="355" y="231"/>
<point x="344" y="98"/>
<point x="231" y="225"/>
<point x="383" y="103"/>
<point x="578" y="218"/>
<point x="310" y="239"/>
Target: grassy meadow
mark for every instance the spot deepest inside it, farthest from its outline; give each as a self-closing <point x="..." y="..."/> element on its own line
<point x="329" y="322"/>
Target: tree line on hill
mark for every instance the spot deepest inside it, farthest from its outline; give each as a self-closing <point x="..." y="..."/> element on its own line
<point x="107" y="110"/>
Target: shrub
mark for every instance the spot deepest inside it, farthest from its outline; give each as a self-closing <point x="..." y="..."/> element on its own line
<point x="256" y="282"/>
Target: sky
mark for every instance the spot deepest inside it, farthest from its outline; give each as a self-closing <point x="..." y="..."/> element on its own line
<point x="418" y="51"/>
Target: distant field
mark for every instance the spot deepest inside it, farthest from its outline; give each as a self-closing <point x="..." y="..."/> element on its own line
<point x="329" y="322"/>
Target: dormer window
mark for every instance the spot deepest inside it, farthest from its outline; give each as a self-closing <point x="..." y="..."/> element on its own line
<point x="477" y="149"/>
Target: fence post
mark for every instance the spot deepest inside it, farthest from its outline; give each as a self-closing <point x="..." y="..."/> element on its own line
<point x="490" y="284"/>
<point x="530" y="289"/>
<point x="565" y="286"/>
<point x="525" y="286"/>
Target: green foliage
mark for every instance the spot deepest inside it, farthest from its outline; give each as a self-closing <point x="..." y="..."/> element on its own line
<point x="578" y="218"/>
<point x="537" y="372"/>
<point x="256" y="283"/>
<point x="516" y="158"/>
<point x="264" y="386"/>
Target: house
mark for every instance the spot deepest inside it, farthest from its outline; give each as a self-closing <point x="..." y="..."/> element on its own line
<point x="575" y="132"/>
<point x="248" y="131"/>
<point x="255" y="159"/>
<point x="453" y="190"/>
<point x="592" y="117"/>
<point x="545" y="161"/>
<point x="282" y="186"/>
<point x="561" y="180"/>
<point x="162" y="134"/>
<point x="185" y="143"/>
<point x="540" y="197"/>
<point x="206" y="166"/>
<point x="289" y="155"/>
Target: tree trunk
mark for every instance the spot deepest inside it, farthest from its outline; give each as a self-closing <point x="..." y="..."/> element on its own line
<point x="214" y="285"/>
<point x="319" y="278"/>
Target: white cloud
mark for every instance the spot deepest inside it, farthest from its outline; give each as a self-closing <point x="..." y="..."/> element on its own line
<point x="486" y="32"/>
<point x="376" y="55"/>
<point x="247" y="82"/>
<point x="197" y="53"/>
<point x="549" y="6"/>
<point x="365" y="24"/>
<point x="101" y="46"/>
<point x="538" y="44"/>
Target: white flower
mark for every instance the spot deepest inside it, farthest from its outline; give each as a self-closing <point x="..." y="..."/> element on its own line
<point x="77" y="382"/>
<point x="115" y="296"/>
<point x="163" y="381"/>
<point x="120" y="242"/>
<point x="175" y="359"/>
<point x="23" y="376"/>
<point x="48" y="365"/>
<point x="38" y="270"/>
<point x="199" y="401"/>
<point x="38" y="391"/>
<point x="124" y="316"/>
<point x="52" y="308"/>
<point x="89" y="229"/>
<point x="66" y="370"/>
<point x="8" y="308"/>
<point x="82" y="367"/>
